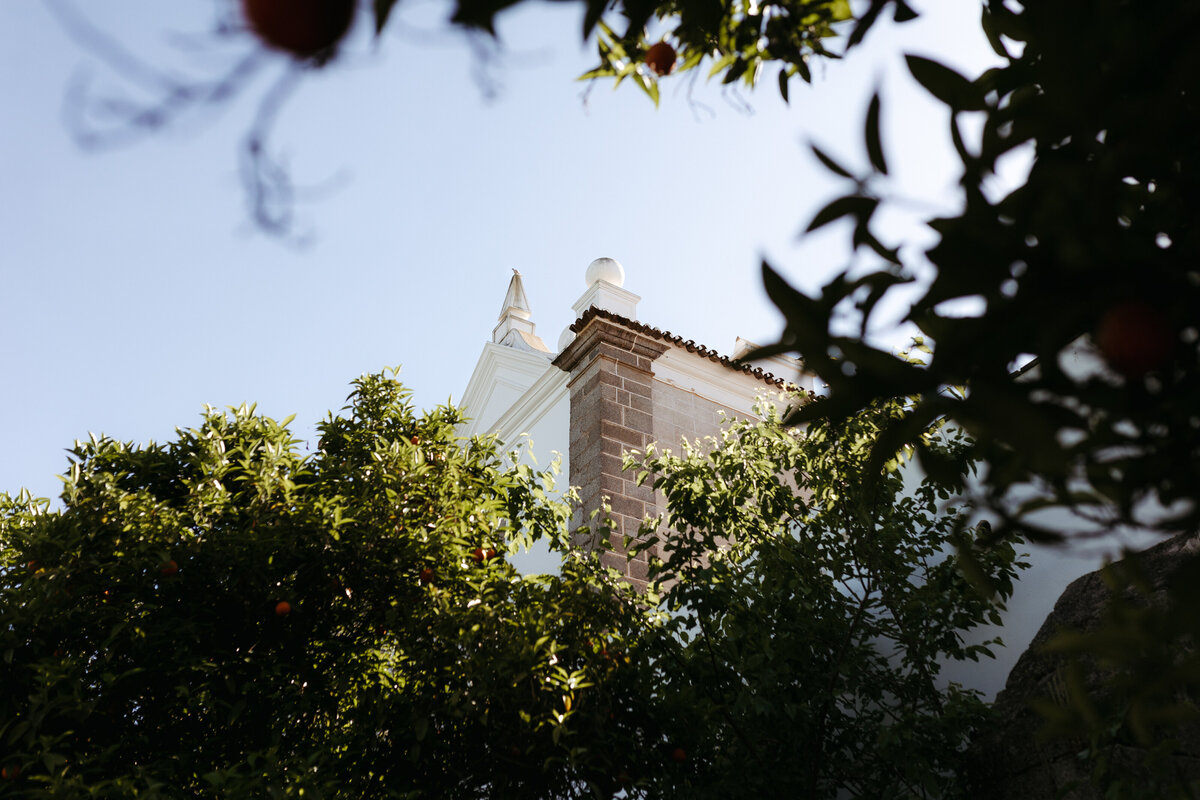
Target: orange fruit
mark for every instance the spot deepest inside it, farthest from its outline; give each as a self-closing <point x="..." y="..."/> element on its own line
<point x="679" y="755"/>
<point x="660" y="58"/>
<point x="10" y="772"/>
<point x="303" y="28"/>
<point x="169" y="568"/>
<point x="283" y="608"/>
<point x="1134" y="338"/>
<point x="426" y="576"/>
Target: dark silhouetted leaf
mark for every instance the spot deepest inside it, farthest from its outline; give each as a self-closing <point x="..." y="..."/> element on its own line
<point x="829" y="163"/>
<point x="592" y="15"/>
<point x="865" y="22"/>
<point x="945" y="84"/>
<point x="853" y="205"/>
<point x="904" y="12"/>
<point x="874" y="145"/>
<point x="383" y="9"/>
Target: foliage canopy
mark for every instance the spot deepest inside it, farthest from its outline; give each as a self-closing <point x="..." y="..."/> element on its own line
<point x="1086" y="275"/>
<point x="813" y="607"/>
<point x="223" y="615"/>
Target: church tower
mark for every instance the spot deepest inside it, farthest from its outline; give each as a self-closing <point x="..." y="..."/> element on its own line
<point x="615" y="385"/>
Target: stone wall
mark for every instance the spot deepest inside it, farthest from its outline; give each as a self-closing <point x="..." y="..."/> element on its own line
<point x="1011" y="760"/>
<point x="611" y="412"/>
<point x="680" y="414"/>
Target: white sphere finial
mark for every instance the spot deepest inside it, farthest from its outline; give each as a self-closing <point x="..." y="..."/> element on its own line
<point x="605" y="269"/>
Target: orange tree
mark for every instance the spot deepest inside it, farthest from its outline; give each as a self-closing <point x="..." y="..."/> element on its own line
<point x="814" y="601"/>
<point x="1095" y="252"/>
<point x="225" y="616"/>
<point x="1081" y="366"/>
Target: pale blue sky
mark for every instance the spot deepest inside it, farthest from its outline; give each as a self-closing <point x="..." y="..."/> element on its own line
<point x="134" y="289"/>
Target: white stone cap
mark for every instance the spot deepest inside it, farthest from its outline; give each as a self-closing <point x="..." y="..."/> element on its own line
<point x="606" y="278"/>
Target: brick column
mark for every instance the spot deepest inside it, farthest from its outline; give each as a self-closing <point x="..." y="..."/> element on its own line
<point x="611" y="413"/>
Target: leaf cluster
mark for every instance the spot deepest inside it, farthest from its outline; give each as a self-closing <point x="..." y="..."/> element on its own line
<point x="1078" y="374"/>
<point x="144" y="651"/>
<point x="224" y="615"/>
<point x="814" y="607"/>
<point x="1098" y="96"/>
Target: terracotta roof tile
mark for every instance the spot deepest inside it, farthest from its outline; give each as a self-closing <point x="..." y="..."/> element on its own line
<point x="688" y="345"/>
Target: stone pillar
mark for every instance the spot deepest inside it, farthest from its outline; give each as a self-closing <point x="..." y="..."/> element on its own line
<point x="611" y="413"/>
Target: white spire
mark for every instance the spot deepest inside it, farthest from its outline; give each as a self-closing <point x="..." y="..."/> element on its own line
<point x="515" y="301"/>
<point x="515" y="329"/>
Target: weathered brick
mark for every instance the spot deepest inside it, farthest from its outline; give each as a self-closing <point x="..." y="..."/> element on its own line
<point x="629" y="507"/>
<point x="636" y="389"/>
<point x="630" y="373"/>
<point x="615" y="352"/>
<point x="613" y="430"/>
<point x="639" y="421"/>
<point x="586" y="387"/>
<point x="611" y="447"/>
<point x="637" y="570"/>
<point x="643" y="492"/>
<point x="609" y="409"/>
<point x="608" y="376"/>
<point x="612" y="485"/>
<point x="614" y="560"/>
<point x="611" y="465"/>
<point x="638" y="402"/>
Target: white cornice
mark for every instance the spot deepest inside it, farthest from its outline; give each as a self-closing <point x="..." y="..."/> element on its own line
<point x="712" y="380"/>
<point x="498" y="366"/>
<point x="541" y="398"/>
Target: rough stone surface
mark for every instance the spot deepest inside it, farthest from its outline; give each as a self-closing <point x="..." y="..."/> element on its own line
<point x="1010" y="761"/>
<point x="611" y="413"/>
<point x="617" y="405"/>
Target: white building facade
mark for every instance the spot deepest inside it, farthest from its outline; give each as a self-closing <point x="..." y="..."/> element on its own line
<point x="614" y="384"/>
